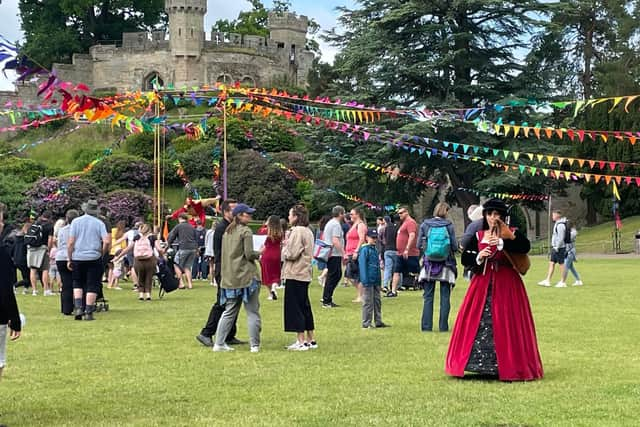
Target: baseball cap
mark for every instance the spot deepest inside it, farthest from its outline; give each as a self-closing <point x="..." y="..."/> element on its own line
<point x="373" y="233"/>
<point x="242" y="208"/>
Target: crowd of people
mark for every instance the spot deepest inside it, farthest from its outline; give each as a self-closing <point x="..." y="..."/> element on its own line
<point x="493" y="335"/>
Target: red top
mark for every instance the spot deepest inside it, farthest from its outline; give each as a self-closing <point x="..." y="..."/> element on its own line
<point x="402" y="239"/>
<point x="353" y="240"/>
<point x="195" y="210"/>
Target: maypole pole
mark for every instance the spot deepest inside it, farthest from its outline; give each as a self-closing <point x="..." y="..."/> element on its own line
<point x="224" y="144"/>
<point x="157" y="186"/>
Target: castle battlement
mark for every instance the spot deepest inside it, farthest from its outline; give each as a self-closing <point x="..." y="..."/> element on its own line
<point x="288" y="21"/>
<point x="187" y="58"/>
<point x="199" y="6"/>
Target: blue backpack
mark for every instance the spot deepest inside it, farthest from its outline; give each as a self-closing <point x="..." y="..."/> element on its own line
<point x="438" y="244"/>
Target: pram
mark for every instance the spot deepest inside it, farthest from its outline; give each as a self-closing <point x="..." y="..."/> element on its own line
<point x="102" y="304"/>
<point x="166" y="276"/>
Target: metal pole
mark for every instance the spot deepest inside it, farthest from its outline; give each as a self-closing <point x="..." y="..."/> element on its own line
<point x="224" y="148"/>
<point x="549" y="236"/>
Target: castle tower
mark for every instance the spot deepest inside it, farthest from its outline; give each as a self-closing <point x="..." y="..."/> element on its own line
<point x="186" y="26"/>
<point x="290" y="29"/>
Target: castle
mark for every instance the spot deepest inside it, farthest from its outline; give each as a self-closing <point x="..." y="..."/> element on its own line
<point x="189" y="59"/>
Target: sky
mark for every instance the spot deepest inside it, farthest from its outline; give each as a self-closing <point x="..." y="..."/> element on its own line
<point x="323" y="11"/>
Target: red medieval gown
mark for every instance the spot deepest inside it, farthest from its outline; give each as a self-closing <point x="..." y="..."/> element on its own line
<point x="271" y="262"/>
<point x="494" y="333"/>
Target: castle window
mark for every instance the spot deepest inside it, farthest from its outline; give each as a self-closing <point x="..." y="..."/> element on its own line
<point x="280" y="45"/>
<point x="224" y="78"/>
<point x="192" y="33"/>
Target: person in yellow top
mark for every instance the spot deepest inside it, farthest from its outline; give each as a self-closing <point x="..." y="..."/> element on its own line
<point x="117" y="245"/>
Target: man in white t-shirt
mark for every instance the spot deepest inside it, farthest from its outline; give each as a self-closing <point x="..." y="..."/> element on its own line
<point x="333" y="234"/>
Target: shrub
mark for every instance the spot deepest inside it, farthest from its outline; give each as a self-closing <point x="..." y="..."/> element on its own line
<point x="140" y="145"/>
<point x="61" y="194"/>
<point x="183" y="144"/>
<point x="122" y="171"/>
<point x="198" y="161"/>
<point x="12" y="194"/>
<point x="25" y="170"/>
<point x="127" y="205"/>
<point x="83" y="156"/>
<point x="204" y="187"/>
<point x="254" y="180"/>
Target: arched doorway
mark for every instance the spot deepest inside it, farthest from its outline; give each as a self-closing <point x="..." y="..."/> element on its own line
<point x="224" y="78"/>
<point x="248" y="81"/>
<point x="152" y="77"/>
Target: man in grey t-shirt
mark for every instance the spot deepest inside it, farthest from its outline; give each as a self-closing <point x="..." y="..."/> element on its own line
<point x="333" y="234"/>
<point x="185" y="235"/>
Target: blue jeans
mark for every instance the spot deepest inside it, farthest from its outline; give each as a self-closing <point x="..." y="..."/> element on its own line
<point x="445" y="306"/>
<point x="389" y="266"/>
<point x="568" y="266"/>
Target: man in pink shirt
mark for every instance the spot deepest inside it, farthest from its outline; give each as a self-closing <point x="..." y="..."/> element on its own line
<point x="408" y="257"/>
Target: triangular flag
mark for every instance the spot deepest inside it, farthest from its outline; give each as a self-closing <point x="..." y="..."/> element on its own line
<point x="616" y="101"/>
<point x="581" y="135"/>
<point x="581" y="162"/>
<point x="516" y="155"/>
<point x="530" y="156"/>
<point x="629" y="101"/>
<point x="549" y="132"/>
<point x="592" y="163"/>
<point x="549" y="159"/>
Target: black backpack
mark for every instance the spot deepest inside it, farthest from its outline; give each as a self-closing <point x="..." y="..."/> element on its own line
<point x="34" y="237"/>
<point x="567" y="233"/>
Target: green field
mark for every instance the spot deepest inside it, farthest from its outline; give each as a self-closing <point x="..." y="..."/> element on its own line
<point x="139" y="364"/>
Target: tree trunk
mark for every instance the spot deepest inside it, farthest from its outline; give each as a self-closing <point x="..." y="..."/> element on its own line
<point x="589" y="28"/>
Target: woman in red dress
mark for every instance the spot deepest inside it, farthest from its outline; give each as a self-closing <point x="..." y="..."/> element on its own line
<point x="494" y="333"/>
<point x="271" y="259"/>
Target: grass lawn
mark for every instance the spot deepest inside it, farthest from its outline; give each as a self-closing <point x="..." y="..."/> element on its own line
<point x="139" y="364"/>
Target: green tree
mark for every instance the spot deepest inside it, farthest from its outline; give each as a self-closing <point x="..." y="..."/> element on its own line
<point x="443" y="51"/>
<point x="55" y="29"/>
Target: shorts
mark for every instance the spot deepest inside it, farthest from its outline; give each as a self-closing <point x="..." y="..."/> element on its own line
<point x="53" y="272"/>
<point x="403" y="266"/>
<point x="87" y="275"/>
<point x="558" y="255"/>
<point x="185" y="257"/>
<point x="38" y="258"/>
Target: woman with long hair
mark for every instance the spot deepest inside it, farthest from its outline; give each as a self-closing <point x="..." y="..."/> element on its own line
<point x="494" y="334"/>
<point x="298" y="272"/>
<point x="355" y="238"/>
<point x="239" y="280"/>
<point x="271" y="260"/>
<point x="145" y="247"/>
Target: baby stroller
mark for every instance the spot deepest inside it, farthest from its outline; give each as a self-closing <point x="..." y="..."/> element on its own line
<point x="102" y="304"/>
<point x="166" y="276"/>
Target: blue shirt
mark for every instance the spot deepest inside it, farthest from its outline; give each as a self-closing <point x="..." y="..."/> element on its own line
<point x="89" y="233"/>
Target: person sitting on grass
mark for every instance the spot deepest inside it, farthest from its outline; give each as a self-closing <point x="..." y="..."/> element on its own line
<point x="369" y="268"/>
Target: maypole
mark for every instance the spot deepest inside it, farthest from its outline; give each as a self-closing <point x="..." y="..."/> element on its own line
<point x="157" y="177"/>
<point x="224" y="147"/>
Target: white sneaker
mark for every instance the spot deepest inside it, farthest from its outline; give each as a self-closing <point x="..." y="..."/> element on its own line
<point x="545" y="282"/>
<point x="577" y="283"/>
<point x="47" y="293"/>
<point x="296" y="346"/>
<point x="34" y="293"/>
<point x="255" y="349"/>
<point x="223" y="347"/>
<point x="311" y="345"/>
<point x="561" y="285"/>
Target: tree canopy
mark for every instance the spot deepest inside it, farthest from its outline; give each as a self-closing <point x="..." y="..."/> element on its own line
<point x="55" y="29"/>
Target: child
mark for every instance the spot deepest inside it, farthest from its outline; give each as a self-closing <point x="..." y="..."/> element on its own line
<point x="54" y="276"/>
<point x="369" y="263"/>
